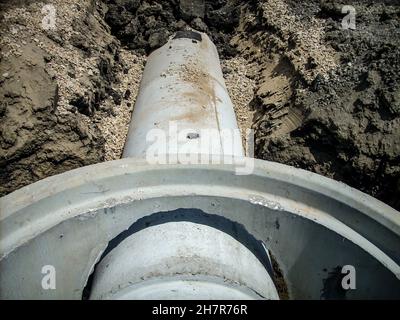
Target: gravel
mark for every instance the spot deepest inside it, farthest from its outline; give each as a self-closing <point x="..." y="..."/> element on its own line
<point x="241" y="91"/>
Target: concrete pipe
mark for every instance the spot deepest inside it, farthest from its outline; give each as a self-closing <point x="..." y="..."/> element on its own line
<point x="311" y="225"/>
<point x="138" y="229"/>
<point x="181" y="260"/>
<point x="183" y="105"/>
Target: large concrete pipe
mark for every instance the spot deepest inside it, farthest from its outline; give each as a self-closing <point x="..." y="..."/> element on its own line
<point x="181" y="260"/>
<point x="134" y="228"/>
<point x="183" y="105"/>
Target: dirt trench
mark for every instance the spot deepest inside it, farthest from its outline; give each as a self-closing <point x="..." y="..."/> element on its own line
<point x="319" y="97"/>
<point x="328" y="99"/>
